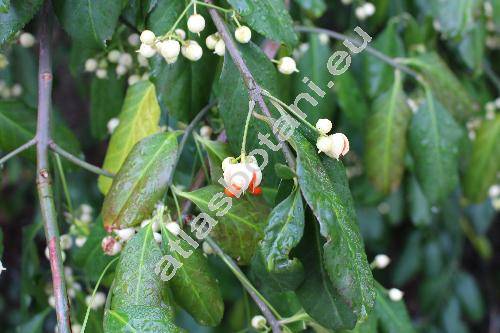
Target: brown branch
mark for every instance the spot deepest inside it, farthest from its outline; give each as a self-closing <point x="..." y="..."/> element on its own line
<point x="44" y="183"/>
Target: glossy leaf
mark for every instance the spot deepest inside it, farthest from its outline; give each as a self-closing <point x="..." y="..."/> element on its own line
<point x="386" y="138"/>
<point x="90" y="23"/>
<point x="139" y="319"/>
<point x="136" y="283"/>
<point x="139" y="118"/>
<point x="18" y="13"/>
<point x="454" y="18"/>
<point x="141" y="181"/>
<point x="238" y="231"/>
<point x="194" y="287"/>
<point x="484" y="161"/>
<point x="469" y="295"/>
<point x="217" y="152"/>
<point x="283" y="232"/>
<point x="106" y="99"/>
<point x="315" y="8"/>
<point x="269" y="18"/>
<point x="434" y="142"/>
<point x="472" y="47"/>
<point x="393" y="317"/>
<point x="164" y="14"/>
<point x="324" y="185"/>
<point x="351" y="99"/>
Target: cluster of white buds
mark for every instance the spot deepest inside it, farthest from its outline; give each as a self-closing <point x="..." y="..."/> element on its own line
<point x="123" y="62"/>
<point x="381" y="261"/>
<point x="214" y="42"/>
<point x="364" y="11"/>
<point x="334" y="145"/>
<point x="490" y="19"/>
<point x="111" y="246"/>
<point x="7" y="92"/>
<point x="491" y="108"/>
<point x="47" y="254"/>
<point x="243" y="176"/>
<point x="395" y="294"/>
<point x="26" y="39"/>
<point x="259" y="322"/>
<point x="97" y="302"/>
<point x="287" y="66"/>
<point x="113" y="124"/>
<point x="155" y="224"/>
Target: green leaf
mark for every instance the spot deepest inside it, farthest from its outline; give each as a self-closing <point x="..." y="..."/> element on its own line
<point x="269" y="18"/>
<point x="312" y="65"/>
<point x="496" y="11"/>
<point x="136" y="282"/>
<point x="469" y="295"/>
<point x="163" y="16"/>
<point x="106" y="99"/>
<point x="484" y="161"/>
<point x="393" y="317"/>
<point x="283" y="232"/>
<point x="324" y="185"/>
<point x="409" y="264"/>
<point x="284" y="171"/>
<point x="454" y="17"/>
<point x="194" y="287"/>
<point x="141" y="181"/>
<point x="445" y="85"/>
<point x="240" y="229"/>
<point x="351" y="99"/>
<point x="386" y="138"/>
<point x="233" y="104"/>
<point x="317" y="293"/>
<point x="4" y="6"/>
<point x="434" y="143"/>
<point x="217" y="151"/>
<point x="139" y="118"/>
<point x="25" y="70"/>
<point x="19" y="13"/>
<point x="139" y="319"/>
<point x="18" y="125"/>
<point x="472" y="47"/>
<point x="380" y="74"/>
<point x="89" y="23"/>
<point x="35" y="323"/>
<point x="314" y="8"/>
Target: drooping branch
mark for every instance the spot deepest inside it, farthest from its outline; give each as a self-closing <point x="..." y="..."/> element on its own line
<point x="18" y="150"/>
<point x="43" y="179"/>
<point x="254" y="90"/>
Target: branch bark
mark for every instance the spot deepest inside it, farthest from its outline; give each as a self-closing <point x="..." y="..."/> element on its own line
<point x="43" y="179"/>
<point x="17" y="151"/>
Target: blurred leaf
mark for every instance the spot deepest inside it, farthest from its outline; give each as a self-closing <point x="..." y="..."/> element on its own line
<point x="89" y="23"/>
<point x="409" y="263"/>
<point x="380" y="74"/>
<point x="312" y="65"/>
<point x="18" y="126"/>
<point x="136" y="282"/>
<point x="386" y="138"/>
<point x="25" y="71"/>
<point x="269" y="18"/>
<point x="496" y="11"/>
<point x="4" y="6"/>
<point x="193" y="285"/>
<point x="139" y="318"/>
<point x="434" y="142"/>
<point x="30" y="268"/>
<point x="141" y="181"/>
<point x="351" y="99"/>
<point x="420" y="210"/>
<point x="315" y="8"/>
<point x="472" y="47"/>
<point x="454" y="17"/>
<point x="324" y="186"/>
<point x="484" y="161"/>
<point x="15" y="18"/>
<point x="433" y="257"/>
<point x="239" y="230"/>
<point x="35" y="324"/>
<point x="284" y="172"/>
<point x="367" y="326"/>
<point x="139" y="118"/>
<point x="106" y="99"/>
<point x="451" y="318"/>
<point x="393" y="317"/>
<point x="469" y="295"/>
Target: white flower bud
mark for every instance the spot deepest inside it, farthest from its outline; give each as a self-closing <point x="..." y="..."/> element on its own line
<point x="126" y="59"/>
<point x="324" y="39"/>
<point x="113" y="56"/>
<point x="110" y="246"/>
<point x="112" y="125"/>
<point x="259" y="322"/>
<point x="86" y="218"/>
<point x="97" y="302"/>
<point x="26" y="39"/>
<point x="490" y="107"/>
<point x="220" y="48"/>
<point x="86" y="209"/>
<point x="71" y="293"/>
<point x="206" y="131"/>
<point x="207" y="249"/>
<point x="66" y="242"/>
<point x="170" y="48"/>
<point x="80" y="241"/>
<point x="90" y="65"/>
<point x="395" y="294"/>
<point x="134" y="39"/>
<point x="125" y="234"/>
<point x="147" y="51"/>
<point x="494" y="191"/>
<point x="381" y="261"/>
<point x="339" y="145"/>
<point x="171" y="60"/>
<point x="324" y="126"/>
<point x="133" y="79"/>
<point x="497" y="103"/>
<point x="346" y="2"/>
<point x="157" y="237"/>
<point x="174" y="228"/>
<point x="145" y="223"/>
<point x="2" y="268"/>
<point x="148" y="37"/>
<point x="360" y="13"/>
<point x="16" y="90"/>
<point x="226" y="162"/>
<point x="145" y="77"/>
<point x="287" y="65"/>
<point x="369" y="9"/>
<point x="323" y="144"/>
<point x="52" y="301"/>
<point x="76" y="328"/>
<point x="101" y="73"/>
<point x="243" y="34"/>
<point x="143" y="61"/>
<point x="192" y="50"/>
<point x="211" y="41"/>
<point x="196" y="23"/>
<point x="180" y="33"/>
<point x="121" y="70"/>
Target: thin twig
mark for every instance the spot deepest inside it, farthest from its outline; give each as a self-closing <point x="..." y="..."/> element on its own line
<point x="254" y="90"/>
<point x="338" y="36"/>
<point x="44" y="182"/>
<point x="81" y="163"/>
<point x="18" y="150"/>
